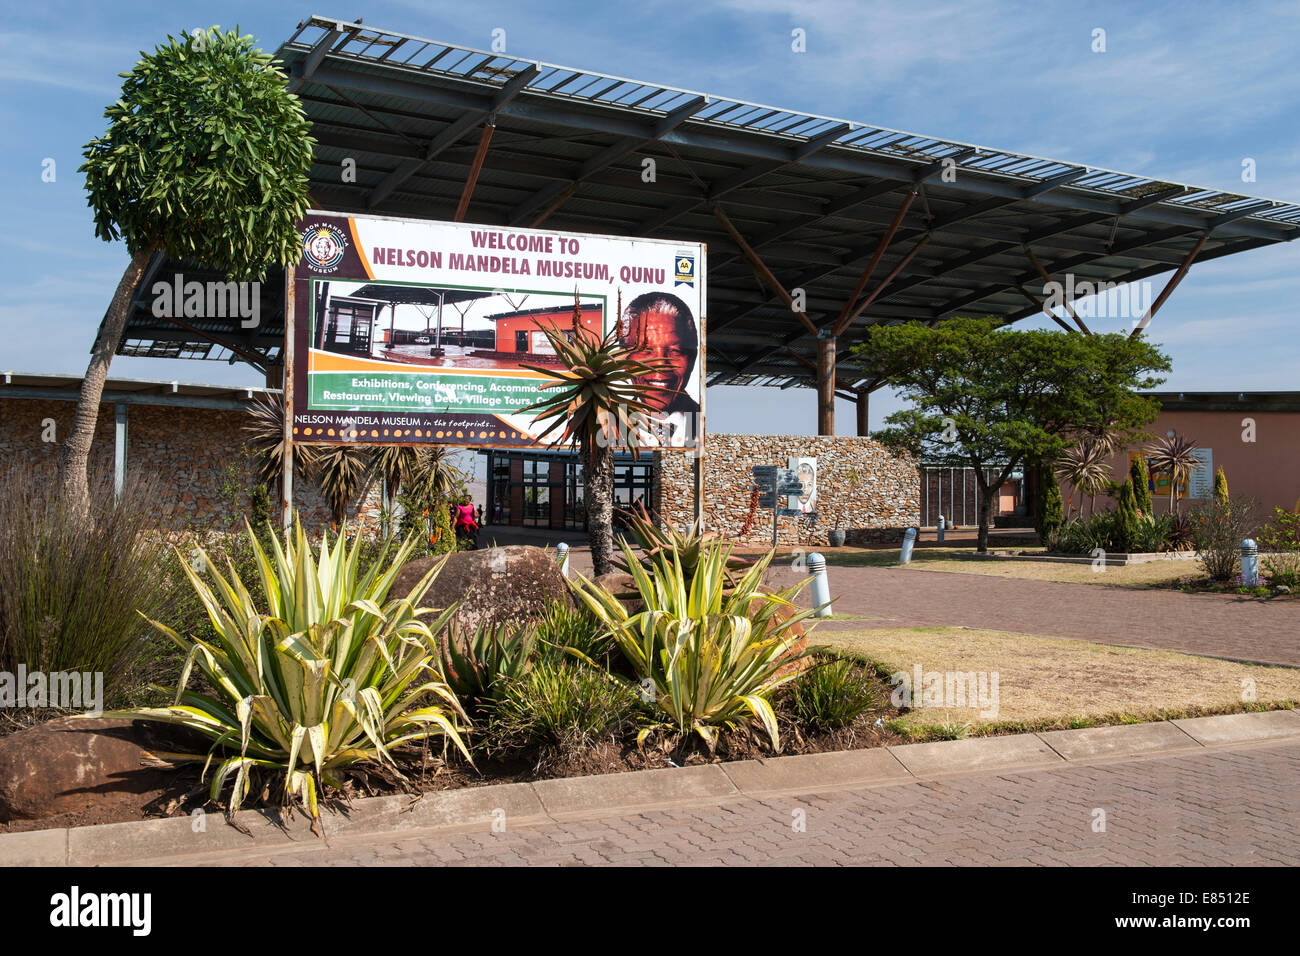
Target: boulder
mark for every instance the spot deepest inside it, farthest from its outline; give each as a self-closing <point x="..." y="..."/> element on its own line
<point x="623" y="586"/>
<point x="69" y="764"/>
<point x="500" y="585"/>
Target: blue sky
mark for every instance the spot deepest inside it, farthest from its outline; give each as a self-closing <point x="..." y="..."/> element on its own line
<point x="1184" y="92"/>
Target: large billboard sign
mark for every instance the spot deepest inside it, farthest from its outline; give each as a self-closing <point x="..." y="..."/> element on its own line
<point x="415" y="331"/>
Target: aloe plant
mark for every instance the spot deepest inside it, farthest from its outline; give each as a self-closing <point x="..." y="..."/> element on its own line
<point x="477" y="666"/>
<point x="705" y="652"/>
<point x="330" y="673"/>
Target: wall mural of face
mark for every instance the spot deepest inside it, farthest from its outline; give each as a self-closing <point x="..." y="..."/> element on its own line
<point x="660" y="327"/>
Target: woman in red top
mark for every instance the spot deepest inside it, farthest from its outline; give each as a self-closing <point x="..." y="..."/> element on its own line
<point x="464" y="519"/>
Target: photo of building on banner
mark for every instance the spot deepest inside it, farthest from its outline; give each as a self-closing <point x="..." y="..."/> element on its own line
<point x="416" y="332"/>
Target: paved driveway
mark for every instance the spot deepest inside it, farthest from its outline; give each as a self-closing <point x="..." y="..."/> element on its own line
<point x="1218" y="625"/>
<point x="1222" y="806"/>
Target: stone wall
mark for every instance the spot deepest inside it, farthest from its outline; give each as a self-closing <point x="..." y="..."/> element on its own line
<point x="873" y="494"/>
<point x="196" y="456"/>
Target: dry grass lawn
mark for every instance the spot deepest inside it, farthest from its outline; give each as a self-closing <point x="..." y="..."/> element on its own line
<point x="950" y="560"/>
<point x="1129" y="575"/>
<point x="1046" y="682"/>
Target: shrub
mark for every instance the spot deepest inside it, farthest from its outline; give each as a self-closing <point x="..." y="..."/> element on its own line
<point x="1220" y="486"/>
<point x="73" y="584"/>
<point x="834" y="693"/>
<point x="476" y="667"/>
<point x="326" y="673"/>
<point x="1141" y="479"/>
<point x="1085" y="535"/>
<point x="1152" y="533"/>
<point x="1126" y="518"/>
<point x="1048" y="513"/>
<point x="1279" y="546"/>
<point x="560" y="704"/>
<point x="705" y="654"/>
<point x="1218" y="528"/>
<point x="562" y="626"/>
<point x="1179" y="536"/>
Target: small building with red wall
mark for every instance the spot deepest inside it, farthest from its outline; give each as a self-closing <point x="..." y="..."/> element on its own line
<point x="1253" y="436"/>
<point x="521" y="333"/>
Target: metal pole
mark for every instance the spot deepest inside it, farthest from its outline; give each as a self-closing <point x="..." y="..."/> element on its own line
<point x="821" y="588"/>
<point x="437" y="341"/>
<point x="119" y="454"/>
<point x="286" y="476"/>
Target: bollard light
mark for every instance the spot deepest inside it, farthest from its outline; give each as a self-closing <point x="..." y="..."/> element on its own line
<point x="821" y="587"/>
<point x="909" y="539"/>
<point x="562" y="552"/>
<point x="941" y="527"/>
<point x="1249" y="563"/>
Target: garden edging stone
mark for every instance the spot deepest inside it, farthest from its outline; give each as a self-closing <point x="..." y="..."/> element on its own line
<point x="514" y="804"/>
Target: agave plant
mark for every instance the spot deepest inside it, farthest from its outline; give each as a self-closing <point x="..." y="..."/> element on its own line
<point x="329" y="674"/>
<point x="705" y="654"/>
<point x="661" y="539"/>
<point x="599" y="391"/>
<point x="1176" y="457"/>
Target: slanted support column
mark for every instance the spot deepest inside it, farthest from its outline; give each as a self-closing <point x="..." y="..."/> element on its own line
<point x="864" y="405"/>
<point x="1038" y="266"/>
<point x="773" y="283"/>
<point x="1170" y="286"/>
<point x="119" y="453"/>
<point x="472" y="179"/>
<point x="825" y="382"/>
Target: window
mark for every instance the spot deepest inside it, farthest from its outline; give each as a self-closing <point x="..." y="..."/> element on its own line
<point x="575" y="496"/>
<point x="537" y="493"/>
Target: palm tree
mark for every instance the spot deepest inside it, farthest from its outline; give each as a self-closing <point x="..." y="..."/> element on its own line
<point x="265" y="430"/>
<point x="432" y="477"/>
<point x="341" y="471"/>
<point x="205" y="159"/>
<point x="1176" y="457"/>
<point x="1085" y="465"/>
<point x="600" y="390"/>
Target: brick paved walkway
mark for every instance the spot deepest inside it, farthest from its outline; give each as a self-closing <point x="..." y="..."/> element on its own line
<point x="1229" y="806"/>
<point x="1219" y="625"/>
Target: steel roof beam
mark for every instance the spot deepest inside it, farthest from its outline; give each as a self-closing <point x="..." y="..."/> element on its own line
<point x="741" y="178"/>
<point x="314" y="58"/>
<point x="605" y="158"/>
<point x="450" y="135"/>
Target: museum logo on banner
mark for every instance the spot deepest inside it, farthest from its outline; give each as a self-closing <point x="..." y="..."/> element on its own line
<point x="323" y="247"/>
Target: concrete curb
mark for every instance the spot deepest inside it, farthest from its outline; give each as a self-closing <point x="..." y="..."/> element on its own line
<point x="188" y="839"/>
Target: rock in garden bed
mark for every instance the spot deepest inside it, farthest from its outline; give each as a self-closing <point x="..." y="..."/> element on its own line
<point x="89" y="770"/>
<point x="505" y="585"/>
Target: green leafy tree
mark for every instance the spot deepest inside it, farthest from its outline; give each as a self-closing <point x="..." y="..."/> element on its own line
<point x="205" y="159"/>
<point x="991" y="398"/>
<point x="1141" y="479"/>
<point x="598" y="400"/>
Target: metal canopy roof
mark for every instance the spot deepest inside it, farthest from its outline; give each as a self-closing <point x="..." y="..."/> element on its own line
<point x="415" y="294"/>
<point x="813" y="196"/>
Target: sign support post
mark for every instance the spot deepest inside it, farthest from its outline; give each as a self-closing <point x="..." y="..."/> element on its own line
<point x="286" y="473"/>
